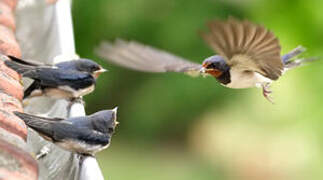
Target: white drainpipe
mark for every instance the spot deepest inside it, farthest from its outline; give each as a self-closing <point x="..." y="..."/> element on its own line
<point x="45" y="33"/>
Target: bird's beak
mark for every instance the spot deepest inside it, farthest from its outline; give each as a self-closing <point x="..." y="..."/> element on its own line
<point x="203" y="70"/>
<point x="214" y="72"/>
<point x="115" y="110"/>
<point x="101" y="70"/>
<point x="115" y="115"/>
<point x="98" y="72"/>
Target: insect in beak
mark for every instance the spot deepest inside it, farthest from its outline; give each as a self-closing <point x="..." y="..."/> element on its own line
<point x="203" y="70"/>
<point x="214" y="72"/>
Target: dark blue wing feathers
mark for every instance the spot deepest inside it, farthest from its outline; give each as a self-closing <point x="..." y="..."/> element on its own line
<point x="56" y="77"/>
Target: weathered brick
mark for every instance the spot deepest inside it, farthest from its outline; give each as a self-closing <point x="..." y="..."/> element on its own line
<point x="22" y="165"/>
<point x="15" y="162"/>
<point x="10" y="86"/>
<point x="6" y="16"/>
<point x="11" y="3"/>
<point x="10" y="103"/>
<point x="13" y="138"/>
<point x="12" y="123"/>
<point x="10" y="72"/>
<point x="8" y="43"/>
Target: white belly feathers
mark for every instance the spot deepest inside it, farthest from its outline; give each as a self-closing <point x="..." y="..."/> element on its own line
<point x="246" y="79"/>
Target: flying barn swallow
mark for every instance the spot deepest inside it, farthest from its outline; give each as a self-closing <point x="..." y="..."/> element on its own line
<point x="68" y="80"/>
<point x="248" y="56"/>
<point x="84" y="135"/>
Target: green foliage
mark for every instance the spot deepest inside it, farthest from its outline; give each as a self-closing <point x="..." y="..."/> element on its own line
<point x="155" y="109"/>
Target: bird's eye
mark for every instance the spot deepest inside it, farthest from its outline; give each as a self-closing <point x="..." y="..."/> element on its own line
<point x="94" y="68"/>
<point x="211" y="66"/>
<point x="110" y="130"/>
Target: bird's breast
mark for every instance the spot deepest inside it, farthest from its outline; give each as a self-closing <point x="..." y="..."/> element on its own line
<point x="81" y="147"/>
<point x="85" y="91"/>
<point x="246" y="79"/>
<point x="67" y="92"/>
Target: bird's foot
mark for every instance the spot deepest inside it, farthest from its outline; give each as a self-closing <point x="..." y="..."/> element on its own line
<point x="267" y="92"/>
<point x="43" y="152"/>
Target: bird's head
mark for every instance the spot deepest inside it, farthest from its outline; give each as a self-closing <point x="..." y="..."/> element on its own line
<point x="86" y="65"/>
<point x="106" y="120"/>
<point x="215" y="66"/>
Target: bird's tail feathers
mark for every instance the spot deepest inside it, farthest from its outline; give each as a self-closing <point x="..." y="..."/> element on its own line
<point x="293" y="53"/>
<point x="40" y="124"/>
<point x="29" y="119"/>
<point x="299" y="62"/>
<point x="20" y="68"/>
<point x="290" y="61"/>
<point x="24" y="62"/>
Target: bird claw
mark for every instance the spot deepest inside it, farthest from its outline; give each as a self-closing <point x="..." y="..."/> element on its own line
<point x="267" y="92"/>
<point x="43" y="152"/>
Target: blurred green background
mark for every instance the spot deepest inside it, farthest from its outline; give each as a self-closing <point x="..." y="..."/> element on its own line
<point x="176" y="127"/>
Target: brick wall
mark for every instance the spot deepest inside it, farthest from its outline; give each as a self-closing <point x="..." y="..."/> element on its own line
<point x="15" y="161"/>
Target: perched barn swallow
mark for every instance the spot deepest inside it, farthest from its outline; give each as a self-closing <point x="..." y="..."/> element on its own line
<point x="69" y="79"/>
<point x="84" y="135"/>
<point x="248" y="56"/>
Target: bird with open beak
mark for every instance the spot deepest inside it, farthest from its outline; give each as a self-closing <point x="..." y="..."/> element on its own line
<point x="85" y="135"/>
<point x="67" y="80"/>
<point x="248" y="55"/>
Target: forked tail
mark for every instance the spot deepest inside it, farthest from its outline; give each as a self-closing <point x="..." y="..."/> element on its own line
<point x="290" y="59"/>
<point x="20" y="68"/>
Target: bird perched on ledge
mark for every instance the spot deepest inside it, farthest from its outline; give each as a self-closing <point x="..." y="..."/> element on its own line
<point x="84" y="135"/>
<point x="248" y="56"/>
<point x="68" y="80"/>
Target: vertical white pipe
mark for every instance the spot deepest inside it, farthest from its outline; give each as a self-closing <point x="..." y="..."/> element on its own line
<point x="89" y="169"/>
<point x="65" y="27"/>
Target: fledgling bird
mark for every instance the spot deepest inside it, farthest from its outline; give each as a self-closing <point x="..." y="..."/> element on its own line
<point x="83" y="135"/>
<point x="67" y="80"/>
<point x="248" y="56"/>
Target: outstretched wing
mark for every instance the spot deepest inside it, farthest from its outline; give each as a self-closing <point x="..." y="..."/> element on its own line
<point x="249" y="46"/>
<point x="140" y="57"/>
